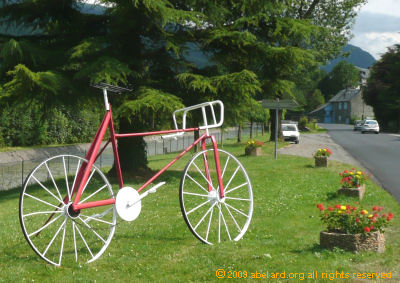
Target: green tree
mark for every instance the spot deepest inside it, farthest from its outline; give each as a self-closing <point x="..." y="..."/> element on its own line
<point x="315" y="99"/>
<point x="343" y="75"/>
<point x="382" y="90"/>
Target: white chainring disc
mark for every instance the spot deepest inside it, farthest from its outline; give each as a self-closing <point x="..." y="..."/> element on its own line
<point x="125" y="197"/>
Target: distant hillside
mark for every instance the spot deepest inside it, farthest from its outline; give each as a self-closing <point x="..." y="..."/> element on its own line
<point x="357" y="57"/>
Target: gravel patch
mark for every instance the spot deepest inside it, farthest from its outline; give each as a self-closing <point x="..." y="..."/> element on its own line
<point x="310" y="143"/>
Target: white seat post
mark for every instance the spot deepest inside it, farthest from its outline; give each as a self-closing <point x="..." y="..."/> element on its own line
<point x="106" y="99"/>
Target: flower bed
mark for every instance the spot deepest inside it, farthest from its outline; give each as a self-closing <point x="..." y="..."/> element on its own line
<point x="352" y="228"/>
<point x="321" y="157"/>
<point x="253" y="147"/>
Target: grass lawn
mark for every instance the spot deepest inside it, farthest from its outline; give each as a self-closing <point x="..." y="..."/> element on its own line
<point x="283" y="235"/>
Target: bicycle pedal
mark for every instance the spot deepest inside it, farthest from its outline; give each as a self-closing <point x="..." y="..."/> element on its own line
<point x="154" y="189"/>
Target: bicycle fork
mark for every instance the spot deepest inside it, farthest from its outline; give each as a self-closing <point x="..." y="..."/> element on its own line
<point x="217" y="166"/>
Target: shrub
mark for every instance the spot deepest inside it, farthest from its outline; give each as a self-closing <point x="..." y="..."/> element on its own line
<point x="303" y="123"/>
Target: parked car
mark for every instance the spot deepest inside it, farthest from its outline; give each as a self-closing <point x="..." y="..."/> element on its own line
<point x="370" y="126"/>
<point x="290" y="133"/>
<point x="358" y="125"/>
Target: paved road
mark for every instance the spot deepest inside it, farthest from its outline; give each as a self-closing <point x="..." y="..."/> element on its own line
<point x="379" y="154"/>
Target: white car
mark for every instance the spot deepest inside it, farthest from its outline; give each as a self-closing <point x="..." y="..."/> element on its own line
<point x="370" y="126"/>
<point x="290" y="132"/>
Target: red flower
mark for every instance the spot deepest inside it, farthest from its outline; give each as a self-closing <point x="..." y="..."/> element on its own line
<point x="348" y="211"/>
<point x="337" y="206"/>
<point x="375" y="215"/>
<point x="358" y="220"/>
<point x="348" y="207"/>
<point x="326" y="215"/>
<point x="330" y="208"/>
<point x="375" y="208"/>
<point x="367" y="229"/>
<point x="321" y="206"/>
<point x="371" y="228"/>
<point x="345" y="171"/>
<point x="354" y="208"/>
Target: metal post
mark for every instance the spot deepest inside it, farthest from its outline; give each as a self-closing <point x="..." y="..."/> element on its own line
<point x="276" y="128"/>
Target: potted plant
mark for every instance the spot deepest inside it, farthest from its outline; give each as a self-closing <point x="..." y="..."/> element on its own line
<point x="354" y="229"/>
<point x="352" y="183"/>
<point x="321" y="157"/>
<point x="253" y="147"/>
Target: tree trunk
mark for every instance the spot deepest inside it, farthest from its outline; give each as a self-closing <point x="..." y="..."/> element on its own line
<point x="251" y="129"/>
<point x="272" y="128"/>
<point x="131" y="151"/>
<point x="196" y="137"/>
<point x="263" y="128"/>
<point x="239" y="135"/>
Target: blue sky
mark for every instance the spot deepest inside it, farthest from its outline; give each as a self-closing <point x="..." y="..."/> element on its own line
<point x="377" y="26"/>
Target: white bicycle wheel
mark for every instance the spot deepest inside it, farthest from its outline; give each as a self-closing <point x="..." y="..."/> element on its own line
<point x="210" y="218"/>
<point x="52" y="228"/>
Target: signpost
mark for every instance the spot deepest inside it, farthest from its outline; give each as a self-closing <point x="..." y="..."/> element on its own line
<point x="278" y="104"/>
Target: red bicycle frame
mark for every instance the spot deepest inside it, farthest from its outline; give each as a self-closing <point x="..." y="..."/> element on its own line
<point x="93" y="154"/>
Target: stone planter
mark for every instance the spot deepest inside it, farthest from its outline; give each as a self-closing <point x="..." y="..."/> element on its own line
<point x="254" y="151"/>
<point x="374" y="241"/>
<point x="321" y="161"/>
<point x="353" y="192"/>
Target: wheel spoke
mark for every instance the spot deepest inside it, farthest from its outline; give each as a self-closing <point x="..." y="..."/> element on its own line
<point x="226" y="226"/>
<point x="96" y="219"/>
<point x="62" y="244"/>
<point x="203" y="175"/>
<point x="230" y="180"/>
<point x="93" y="194"/>
<point x="44" y="226"/>
<point x="54" y="196"/>
<point x="52" y="179"/>
<point x="194" y="194"/>
<point x="88" y="180"/>
<point x="76" y="175"/>
<point x="42" y="212"/>
<point x="244" y="199"/>
<point x="237" y="210"/>
<point x="206" y="167"/>
<point x="66" y="179"/>
<point x="74" y="236"/>
<point x="190" y="177"/>
<point x="233" y="218"/>
<point x="209" y="224"/>
<point x="231" y="190"/>
<point x="219" y="224"/>
<point x="204" y="216"/>
<point x="91" y="229"/>
<point x="84" y="241"/>
<point x="54" y="237"/>
<point x="197" y="207"/>
<point x="226" y="164"/>
<point x="42" y="201"/>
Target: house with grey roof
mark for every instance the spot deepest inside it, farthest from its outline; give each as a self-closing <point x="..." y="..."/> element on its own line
<point x="345" y="106"/>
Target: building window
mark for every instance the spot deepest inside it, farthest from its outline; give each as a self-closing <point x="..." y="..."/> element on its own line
<point x="340" y="118"/>
<point x="340" y="105"/>
<point x="345" y="105"/>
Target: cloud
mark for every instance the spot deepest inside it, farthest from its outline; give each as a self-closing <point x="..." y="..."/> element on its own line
<point x="376" y="32"/>
<point x="376" y="43"/>
<point x="387" y="7"/>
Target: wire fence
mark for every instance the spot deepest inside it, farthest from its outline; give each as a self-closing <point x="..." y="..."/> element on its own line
<point x="13" y="174"/>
